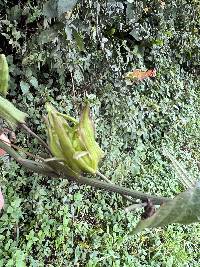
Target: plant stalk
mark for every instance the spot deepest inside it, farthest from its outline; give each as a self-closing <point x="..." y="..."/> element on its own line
<point x="43" y="168"/>
<point x="35" y="166"/>
<point x="120" y="190"/>
<point x="27" y="129"/>
<point x="110" y="182"/>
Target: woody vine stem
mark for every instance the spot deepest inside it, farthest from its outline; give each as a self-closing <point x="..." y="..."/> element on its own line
<point x="45" y="169"/>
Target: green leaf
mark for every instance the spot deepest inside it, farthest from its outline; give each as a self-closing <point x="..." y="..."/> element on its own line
<point x="50" y="9"/>
<point x="65" y="6"/>
<point x="47" y="36"/>
<point x="20" y="258"/>
<point x="79" y="40"/>
<point x="24" y="87"/>
<point x="55" y="8"/>
<point x="183" y="209"/>
<point x="34" y="82"/>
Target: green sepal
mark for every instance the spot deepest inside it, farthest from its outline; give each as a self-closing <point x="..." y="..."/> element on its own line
<point x="73" y="144"/>
<point x="87" y="138"/>
<point x="11" y="114"/>
<point x="4" y="75"/>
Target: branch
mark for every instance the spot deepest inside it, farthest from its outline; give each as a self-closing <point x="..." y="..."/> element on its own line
<point x="120" y="190"/>
<point x="27" y="129"/>
<point x="43" y="168"/>
<point x="38" y="167"/>
<point x="110" y="182"/>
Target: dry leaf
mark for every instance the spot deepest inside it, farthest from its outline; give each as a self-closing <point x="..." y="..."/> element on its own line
<point x="4" y="138"/>
<point x="139" y="74"/>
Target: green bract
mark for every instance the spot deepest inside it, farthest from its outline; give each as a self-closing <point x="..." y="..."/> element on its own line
<point x="4" y="75"/>
<point x="10" y="113"/>
<point x="74" y="145"/>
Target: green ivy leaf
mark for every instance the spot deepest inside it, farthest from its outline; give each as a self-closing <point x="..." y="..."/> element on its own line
<point x="65" y="6"/>
<point x="50" y="9"/>
<point x="55" y="8"/>
<point x="24" y="87"/>
<point x="79" y="41"/>
<point x="34" y="82"/>
<point x="183" y="209"/>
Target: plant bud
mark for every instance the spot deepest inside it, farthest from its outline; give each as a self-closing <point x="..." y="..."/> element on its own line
<point x="11" y="114"/>
<point x="4" y="75"/>
<point x="74" y="145"/>
<point x="87" y="138"/>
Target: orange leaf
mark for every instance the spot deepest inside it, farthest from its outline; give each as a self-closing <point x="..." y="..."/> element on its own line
<point x="140" y="75"/>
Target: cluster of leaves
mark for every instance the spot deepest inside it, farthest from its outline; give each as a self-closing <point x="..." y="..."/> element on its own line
<point x="62" y="53"/>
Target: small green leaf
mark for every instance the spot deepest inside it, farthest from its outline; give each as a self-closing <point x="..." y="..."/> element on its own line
<point x="24" y="87"/>
<point x="183" y="209"/>
<point x="65" y="6"/>
<point x="79" y="41"/>
<point x="50" y="9"/>
<point x="34" y="82"/>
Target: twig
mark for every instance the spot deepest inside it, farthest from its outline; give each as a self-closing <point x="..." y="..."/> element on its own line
<point x="109" y="181"/>
<point x="26" y="128"/>
<point x="104" y="177"/>
<point x="45" y="169"/>
<point x="38" y="167"/>
<point x="73" y="89"/>
<point x="120" y="190"/>
<point x="25" y="152"/>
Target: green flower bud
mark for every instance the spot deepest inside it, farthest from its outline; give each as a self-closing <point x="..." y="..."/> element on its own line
<point x="4" y="75"/>
<point x="74" y="145"/>
<point x="11" y="114"/>
<point x="86" y="135"/>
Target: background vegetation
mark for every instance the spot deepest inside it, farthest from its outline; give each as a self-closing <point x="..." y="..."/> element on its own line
<point x="65" y="53"/>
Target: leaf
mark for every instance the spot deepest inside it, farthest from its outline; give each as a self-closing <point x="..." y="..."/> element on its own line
<point x="68" y="31"/>
<point x="183" y="209"/>
<point x="24" y="87"/>
<point x="4" y="75"/>
<point x="65" y="6"/>
<point x="79" y="154"/>
<point x="78" y="76"/>
<point x="50" y="9"/>
<point x="87" y="137"/>
<point x="56" y="8"/>
<point x="139" y="74"/>
<point x="1" y="200"/>
<point x="48" y="35"/>
<point x="20" y="258"/>
<point x="34" y="82"/>
<point x="79" y="40"/>
<point x="133" y="12"/>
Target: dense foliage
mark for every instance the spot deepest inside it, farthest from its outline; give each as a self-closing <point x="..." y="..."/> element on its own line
<point x="65" y="53"/>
